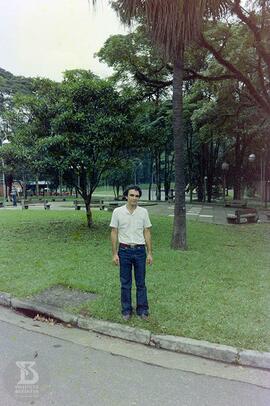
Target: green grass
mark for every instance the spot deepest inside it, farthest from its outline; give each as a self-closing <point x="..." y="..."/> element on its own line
<point x="218" y="290"/>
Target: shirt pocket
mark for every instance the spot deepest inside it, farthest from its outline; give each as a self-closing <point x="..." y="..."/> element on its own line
<point x="139" y="224"/>
<point x="124" y="225"/>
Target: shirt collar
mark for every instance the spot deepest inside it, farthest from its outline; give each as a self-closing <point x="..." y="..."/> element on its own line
<point x="129" y="211"/>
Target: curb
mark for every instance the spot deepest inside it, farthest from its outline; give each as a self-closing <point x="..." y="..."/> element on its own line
<point x="199" y="348"/>
<point x="205" y="349"/>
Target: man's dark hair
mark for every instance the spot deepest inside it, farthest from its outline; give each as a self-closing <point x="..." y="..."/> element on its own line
<point x="134" y="187"/>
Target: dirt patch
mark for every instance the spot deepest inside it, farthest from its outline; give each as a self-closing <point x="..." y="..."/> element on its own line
<point x="62" y="296"/>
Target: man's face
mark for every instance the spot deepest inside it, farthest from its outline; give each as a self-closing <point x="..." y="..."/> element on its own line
<point x="133" y="197"/>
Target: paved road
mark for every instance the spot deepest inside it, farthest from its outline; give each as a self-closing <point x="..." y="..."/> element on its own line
<point x="71" y="366"/>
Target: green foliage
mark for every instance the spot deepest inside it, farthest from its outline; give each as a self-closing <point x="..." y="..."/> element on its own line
<point x="134" y="58"/>
<point x="80" y="127"/>
<point x="92" y="126"/>
<point x="29" y="122"/>
<point x="154" y="121"/>
<point x="121" y="175"/>
<point x="11" y="84"/>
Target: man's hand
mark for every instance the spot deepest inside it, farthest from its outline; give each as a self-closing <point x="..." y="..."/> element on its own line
<point x="116" y="259"/>
<point x="149" y="259"/>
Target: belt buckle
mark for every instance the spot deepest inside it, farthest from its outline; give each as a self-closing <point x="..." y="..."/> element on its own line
<point x="133" y="245"/>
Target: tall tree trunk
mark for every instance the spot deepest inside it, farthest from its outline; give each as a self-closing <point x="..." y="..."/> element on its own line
<point x="179" y="226"/>
<point x="167" y="183"/>
<point x="61" y="182"/>
<point x="237" y="192"/>
<point x="202" y="192"/>
<point x="89" y="216"/>
<point x="24" y="193"/>
<point x="190" y="165"/>
<point x="210" y="172"/>
<point x="158" y="177"/>
<point x="37" y="185"/>
<point x="151" y="178"/>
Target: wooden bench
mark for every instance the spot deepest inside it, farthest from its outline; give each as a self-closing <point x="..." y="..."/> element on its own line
<point x="98" y="202"/>
<point x="25" y="204"/>
<point x="77" y="205"/>
<point x="236" y="203"/>
<point x="249" y="215"/>
<point x="94" y="202"/>
<point x="47" y="205"/>
<point x="171" y="196"/>
<point x="112" y="205"/>
<point x="267" y="214"/>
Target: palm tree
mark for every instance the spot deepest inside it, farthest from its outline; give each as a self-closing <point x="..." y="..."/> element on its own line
<point x="172" y="25"/>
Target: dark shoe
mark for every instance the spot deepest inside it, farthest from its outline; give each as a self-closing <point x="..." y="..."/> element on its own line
<point x="127" y="316"/>
<point x="144" y="316"/>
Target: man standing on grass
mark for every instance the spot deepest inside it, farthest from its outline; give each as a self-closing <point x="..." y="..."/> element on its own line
<point x="131" y="228"/>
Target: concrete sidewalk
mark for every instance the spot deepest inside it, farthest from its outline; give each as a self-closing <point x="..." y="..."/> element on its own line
<point x="207" y="213"/>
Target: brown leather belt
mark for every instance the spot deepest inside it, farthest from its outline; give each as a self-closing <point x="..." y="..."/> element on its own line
<point x="130" y="245"/>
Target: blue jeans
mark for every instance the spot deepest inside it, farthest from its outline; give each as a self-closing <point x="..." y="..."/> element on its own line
<point x="135" y="257"/>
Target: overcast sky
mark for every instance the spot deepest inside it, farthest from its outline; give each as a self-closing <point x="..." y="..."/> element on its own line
<point x="46" y="37"/>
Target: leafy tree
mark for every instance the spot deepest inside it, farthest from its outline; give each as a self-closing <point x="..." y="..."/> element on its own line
<point x="136" y="63"/>
<point x="29" y="120"/>
<point x="249" y="61"/>
<point x="154" y="122"/>
<point x="121" y="176"/>
<point x="80" y="127"/>
<point x="11" y="84"/>
<point x="228" y="129"/>
<point x="91" y="130"/>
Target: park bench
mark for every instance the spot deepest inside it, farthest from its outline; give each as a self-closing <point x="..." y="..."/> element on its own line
<point x="171" y="198"/>
<point x="98" y="202"/>
<point x="113" y="205"/>
<point x="25" y="203"/>
<point x="267" y="214"/>
<point x="1" y="204"/>
<point x="236" y="203"/>
<point x="110" y="206"/>
<point x="77" y="204"/>
<point x="94" y="202"/>
<point x="47" y="205"/>
<point x="248" y="215"/>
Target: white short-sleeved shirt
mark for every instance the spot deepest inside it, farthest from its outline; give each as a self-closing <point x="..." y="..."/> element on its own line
<point x="130" y="225"/>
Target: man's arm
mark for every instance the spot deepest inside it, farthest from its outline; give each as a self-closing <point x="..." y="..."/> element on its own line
<point x="148" y="242"/>
<point x="114" y="239"/>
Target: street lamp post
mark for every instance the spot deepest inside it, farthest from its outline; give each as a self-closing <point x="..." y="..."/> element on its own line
<point x="263" y="178"/>
<point x="4" y="184"/>
<point x="77" y="173"/>
<point x="5" y="141"/>
<point x="263" y="183"/>
<point x="205" y="188"/>
<point x="225" y="168"/>
<point x="137" y="166"/>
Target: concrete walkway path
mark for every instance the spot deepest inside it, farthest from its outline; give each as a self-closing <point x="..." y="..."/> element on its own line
<point x="207" y="213"/>
<point x="204" y="212"/>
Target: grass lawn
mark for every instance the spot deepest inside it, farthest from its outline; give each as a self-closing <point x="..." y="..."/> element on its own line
<point x="218" y="290"/>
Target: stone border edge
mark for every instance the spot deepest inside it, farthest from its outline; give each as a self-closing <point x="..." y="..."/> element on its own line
<point x="201" y="348"/>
